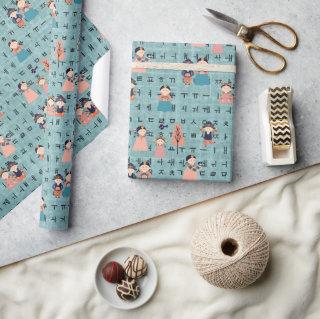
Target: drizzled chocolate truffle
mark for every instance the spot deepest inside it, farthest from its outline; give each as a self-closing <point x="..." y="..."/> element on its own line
<point x="128" y="289"/>
<point x="113" y="272"/>
<point x="135" y="266"/>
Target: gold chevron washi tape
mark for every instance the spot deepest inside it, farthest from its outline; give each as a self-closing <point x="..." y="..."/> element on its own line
<point x="279" y="118"/>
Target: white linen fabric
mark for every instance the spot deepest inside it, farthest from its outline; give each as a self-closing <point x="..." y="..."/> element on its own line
<point x="60" y="284"/>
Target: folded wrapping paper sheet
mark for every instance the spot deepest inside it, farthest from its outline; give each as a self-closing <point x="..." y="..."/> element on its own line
<point x="60" y="116"/>
<point x="181" y="112"/>
<point x="27" y="29"/>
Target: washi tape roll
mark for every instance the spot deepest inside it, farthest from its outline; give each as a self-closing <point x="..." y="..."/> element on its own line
<point x="279" y="118"/>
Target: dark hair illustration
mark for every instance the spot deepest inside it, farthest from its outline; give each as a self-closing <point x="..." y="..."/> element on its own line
<point x="10" y="164"/>
<point x="58" y="176"/>
<point x="10" y="11"/>
<point x="165" y="86"/>
<point x="84" y="100"/>
<point x="66" y="142"/>
<point x="189" y="157"/>
<point x="13" y="40"/>
<point x="130" y="165"/>
<point x="138" y="49"/>
<point x="37" y="117"/>
<point x="203" y="59"/>
<point x="20" y="85"/>
<point x="227" y="84"/>
<point x="60" y="98"/>
<point x="145" y="163"/>
<point x="68" y="70"/>
<point x="141" y="127"/>
<point x="67" y="172"/>
<point x="38" y="146"/>
<point x="207" y="124"/>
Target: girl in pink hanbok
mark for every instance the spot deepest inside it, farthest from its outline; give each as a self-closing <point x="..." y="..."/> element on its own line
<point x="191" y="171"/>
<point x="226" y="97"/>
<point x="42" y="82"/>
<point x="6" y="148"/>
<point x="160" y="147"/>
<point x="67" y="153"/>
<point x="68" y="85"/>
<point x="28" y="93"/>
<point x="140" y="144"/>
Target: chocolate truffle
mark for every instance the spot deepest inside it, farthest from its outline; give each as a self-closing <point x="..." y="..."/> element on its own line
<point x="128" y="289"/>
<point x="135" y="266"/>
<point x="113" y="272"/>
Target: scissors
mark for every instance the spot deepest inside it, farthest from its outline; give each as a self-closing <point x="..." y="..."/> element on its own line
<point x="247" y="35"/>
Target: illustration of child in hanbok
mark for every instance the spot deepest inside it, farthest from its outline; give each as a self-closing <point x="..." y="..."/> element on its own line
<point x="50" y="107"/>
<point x="30" y="95"/>
<point x="160" y="150"/>
<point x="226" y="97"/>
<point x="191" y="171"/>
<point x="42" y="82"/>
<point x="86" y="111"/>
<point x="133" y="91"/>
<point x="68" y="85"/>
<point x="132" y="171"/>
<point x="202" y="77"/>
<point x="6" y="147"/>
<point x="53" y="8"/>
<point x="18" y="50"/>
<point x="57" y="186"/>
<point x="140" y="144"/>
<point x="83" y="84"/>
<point x="54" y="12"/>
<point x="187" y="74"/>
<point x="67" y="153"/>
<point x="25" y="8"/>
<point x="43" y="206"/>
<point x="208" y="130"/>
<point x="60" y="103"/>
<point x="40" y="152"/>
<point x="140" y="57"/>
<point x="67" y="184"/>
<point x="165" y="98"/>
<point x="16" y="17"/>
<point x="8" y="179"/>
<point x="40" y="120"/>
<point x="16" y="174"/>
<point x="144" y="170"/>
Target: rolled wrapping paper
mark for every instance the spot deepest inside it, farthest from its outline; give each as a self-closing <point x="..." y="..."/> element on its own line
<point x="230" y="250"/>
<point x="60" y="112"/>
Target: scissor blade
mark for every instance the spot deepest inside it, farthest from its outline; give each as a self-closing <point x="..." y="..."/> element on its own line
<point x="225" y="21"/>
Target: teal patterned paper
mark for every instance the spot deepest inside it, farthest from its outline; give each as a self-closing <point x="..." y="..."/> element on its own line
<point x="181" y="121"/>
<point x="61" y="116"/>
<point x="45" y="100"/>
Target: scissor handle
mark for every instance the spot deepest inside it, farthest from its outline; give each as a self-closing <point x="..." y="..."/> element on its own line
<point x="259" y="29"/>
<point x="251" y="46"/>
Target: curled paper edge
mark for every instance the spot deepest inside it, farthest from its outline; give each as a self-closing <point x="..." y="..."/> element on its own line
<point x="100" y="84"/>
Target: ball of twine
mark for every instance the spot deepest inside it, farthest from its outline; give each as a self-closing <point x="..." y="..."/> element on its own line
<point x="230" y="250"/>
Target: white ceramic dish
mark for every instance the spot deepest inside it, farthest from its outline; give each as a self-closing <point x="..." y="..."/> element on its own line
<point x="148" y="283"/>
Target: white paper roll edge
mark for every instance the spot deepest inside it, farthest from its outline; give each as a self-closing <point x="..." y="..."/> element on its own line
<point x="100" y="84"/>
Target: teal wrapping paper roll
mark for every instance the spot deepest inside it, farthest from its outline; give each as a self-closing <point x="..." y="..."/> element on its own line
<point x="60" y="116"/>
<point x="41" y="82"/>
